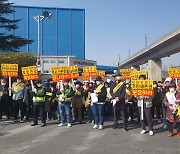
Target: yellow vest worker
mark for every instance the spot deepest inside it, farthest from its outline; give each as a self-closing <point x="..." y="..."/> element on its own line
<point x="39" y="95"/>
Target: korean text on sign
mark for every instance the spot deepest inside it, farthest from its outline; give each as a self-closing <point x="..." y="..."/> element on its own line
<point x="64" y="73"/>
<point x="9" y="70"/>
<point x="174" y="72"/>
<point x="89" y="71"/>
<point x="142" y="87"/>
<point x="101" y="74"/>
<point x="30" y="73"/>
<point x="135" y="75"/>
<point x="126" y="73"/>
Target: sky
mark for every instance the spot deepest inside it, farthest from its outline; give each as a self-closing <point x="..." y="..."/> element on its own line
<point x="115" y="29"/>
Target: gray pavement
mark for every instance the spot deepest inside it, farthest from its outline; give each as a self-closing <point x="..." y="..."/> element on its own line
<point x="82" y="139"/>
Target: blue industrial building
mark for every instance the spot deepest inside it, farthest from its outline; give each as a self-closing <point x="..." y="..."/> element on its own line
<point x="62" y="35"/>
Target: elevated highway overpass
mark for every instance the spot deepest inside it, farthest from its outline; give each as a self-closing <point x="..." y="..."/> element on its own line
<point x="152" y="54"/>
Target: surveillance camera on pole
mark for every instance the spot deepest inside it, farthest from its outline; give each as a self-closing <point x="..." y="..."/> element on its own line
<point x="47" y="14"/>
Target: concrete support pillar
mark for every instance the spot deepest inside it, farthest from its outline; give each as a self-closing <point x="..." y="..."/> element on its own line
<point x="155" y="70"/>
<point x="136" y="68"/>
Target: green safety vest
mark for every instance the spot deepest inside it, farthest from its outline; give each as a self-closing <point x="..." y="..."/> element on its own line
<point x="66" y="93"/>
<point x="38" y="98"/>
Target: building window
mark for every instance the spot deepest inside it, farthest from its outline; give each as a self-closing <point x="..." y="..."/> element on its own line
<point x="45" y="61"/>
<point x="53" y="61"/>
<point x="61" y="61"/>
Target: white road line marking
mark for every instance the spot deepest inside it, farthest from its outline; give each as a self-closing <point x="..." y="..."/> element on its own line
<point x="16" y="131"/>
<point x="35" y="142"/>
<point x="89" y="141"/>
<point x="138" y="137"/>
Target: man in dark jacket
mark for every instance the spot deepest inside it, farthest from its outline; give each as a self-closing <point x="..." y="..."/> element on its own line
<point x="51" y="101"/>
<point x="77" y="102"/>
<point x="4" y="99"/>
<point x="118" y="92"/>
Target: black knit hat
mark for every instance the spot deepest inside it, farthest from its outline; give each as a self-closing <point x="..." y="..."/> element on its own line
<point x="39" y="81"/>
<point x="117" y="74"/>
<point x="78" y="83"/>
<point x="98" y="78"/>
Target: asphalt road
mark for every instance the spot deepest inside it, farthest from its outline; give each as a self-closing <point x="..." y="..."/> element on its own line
<point x="23" y="138"/>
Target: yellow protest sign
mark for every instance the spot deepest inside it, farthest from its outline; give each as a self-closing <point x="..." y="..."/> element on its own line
<point x="142" y="87"/>
<point x="174" y="72"/>
<point x="101" y="74"/>
<point x="126" y="73"/>
<point x="89" y="71"/>
<point x="9" y="70"/>
<point x="30" y="73"/>
<point x="64" y="73"/>
<point x="135" y="75"/>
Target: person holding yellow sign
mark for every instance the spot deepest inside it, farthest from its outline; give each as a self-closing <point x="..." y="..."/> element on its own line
<point x="144" y="106"/>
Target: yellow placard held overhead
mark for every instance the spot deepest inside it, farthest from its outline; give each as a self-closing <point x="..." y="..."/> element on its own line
<point x="174" y="72"/>
<point x="126" y="73"/>
<point x="88" y="72"/>
<point x="101" y="74"/>
<point x="64" y="73"/>
<point x="9" y="70"/>
<point x="30" y="73"/>
<point x="142" y="87"/>
<point x="135" y="75"/>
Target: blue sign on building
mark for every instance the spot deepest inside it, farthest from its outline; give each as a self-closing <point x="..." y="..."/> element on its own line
<point x="62" y="35"/>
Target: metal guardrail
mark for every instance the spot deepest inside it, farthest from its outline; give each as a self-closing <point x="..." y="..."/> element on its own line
<point x="154" y="44"/>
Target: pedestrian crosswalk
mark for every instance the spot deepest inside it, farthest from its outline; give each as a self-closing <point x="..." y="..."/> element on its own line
<point x="22" y="138"/>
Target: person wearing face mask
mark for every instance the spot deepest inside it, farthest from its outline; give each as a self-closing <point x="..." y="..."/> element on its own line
<point x="118" y="92"/>
<point x="165" y="89"/>
<point x="108" y="104"/>
<point x="51" y="101"/>
<point x="172" y="102"/>
<point x="4" y="99"/>
<point x="65" y="94"/>
<point x="157" y="102"/>
<point x="144" y="106"/>
<point x="129" y="102"/>
<point x="100" y="94"/>
<point x="19" y="98"/>
<point x="88" y="103"/>
<point x="39" y="95"/>
<point x="77" y="102"/>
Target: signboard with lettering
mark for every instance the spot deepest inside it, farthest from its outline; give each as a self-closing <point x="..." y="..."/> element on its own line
<point x="64" y="73"/>
<point x="126" y="73"/>
<point x="101" y="74"/>
<point x="135" y="75"/>
<point x="9" y="70"/>
<point x="174" y="72"/>
<point x="30" y="73"/>
<point x="142" y="87"/>
<point x="88" y="72"/>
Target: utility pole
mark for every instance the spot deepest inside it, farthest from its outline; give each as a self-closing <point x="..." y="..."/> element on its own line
<point x="129" y="53"/>
<point x="145" y="40"/>
<point x="119" y="61"/>
<point x="39" y="19"/>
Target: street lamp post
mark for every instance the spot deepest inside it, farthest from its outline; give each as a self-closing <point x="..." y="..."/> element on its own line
<point x="40" y="18"/>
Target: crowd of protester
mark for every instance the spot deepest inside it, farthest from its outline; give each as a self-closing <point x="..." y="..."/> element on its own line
<point x="93" y="102"/>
